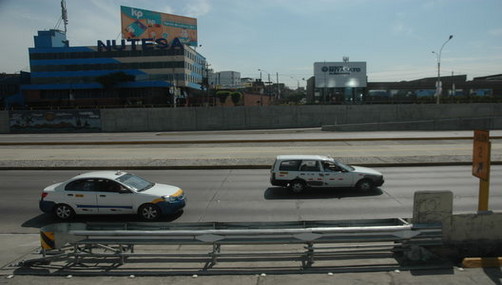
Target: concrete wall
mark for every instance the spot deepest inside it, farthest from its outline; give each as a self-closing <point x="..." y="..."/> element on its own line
<point x="469" y="234"/>
<point x="4" y="122"/>
<point x="489" y="123"/>
<point x="219" y="118"/>
<point x="421" y="117"/>
<point x="256" y="117"/>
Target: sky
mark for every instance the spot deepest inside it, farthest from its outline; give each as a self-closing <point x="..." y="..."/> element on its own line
<point x="285" y="37"/>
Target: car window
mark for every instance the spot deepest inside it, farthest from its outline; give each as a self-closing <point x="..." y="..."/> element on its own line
<point x="80" y="185"/>
<point x="310" y="165"/>
<point x="331" y="167"/>
<point x="105" y="185"/>
<point x="289" y="165"/>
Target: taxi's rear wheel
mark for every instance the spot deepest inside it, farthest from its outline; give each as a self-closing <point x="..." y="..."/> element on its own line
<point x="64" y="212"/>
<point x="297" y="186"/>
<point x="149" y="212"/>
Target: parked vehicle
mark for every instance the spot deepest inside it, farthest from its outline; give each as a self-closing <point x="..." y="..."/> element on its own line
<point x="111" y="192"/>
<point x="300" y="172"/>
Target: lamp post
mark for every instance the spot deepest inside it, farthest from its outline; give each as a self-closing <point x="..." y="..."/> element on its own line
<point x="269" y="82"/>
<point x="438" y="83"/>
<point x="297" y="82"/>
<point x="206" y="81"/>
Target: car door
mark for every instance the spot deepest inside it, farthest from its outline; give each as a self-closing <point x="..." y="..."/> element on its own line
<point x="80" y="195"/>
<point x="310" y="172"/>
<point x="113" y="197"/>
<point x="336" y="176"/>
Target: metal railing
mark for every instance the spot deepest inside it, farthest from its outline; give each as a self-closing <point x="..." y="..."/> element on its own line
<point x="121" y="242"/>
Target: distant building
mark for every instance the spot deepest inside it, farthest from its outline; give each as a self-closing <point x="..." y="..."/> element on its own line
<point x="453" y="86"/>
<point x="226" y="79"/>
<point x="114" y="72"/>
<point x="347" y="82"/>
<point x="10" y="89"/>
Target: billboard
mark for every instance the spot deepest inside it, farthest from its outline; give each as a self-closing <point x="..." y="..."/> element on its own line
<point x="144" y="24"/>
<point x="340" y="74"/>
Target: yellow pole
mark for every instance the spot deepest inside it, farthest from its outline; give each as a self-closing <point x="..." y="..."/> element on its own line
<point x="484" y="186"/>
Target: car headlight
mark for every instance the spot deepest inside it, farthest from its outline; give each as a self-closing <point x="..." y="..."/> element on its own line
<point x="167" y="198"/>
<point x="374" y="177"/>
<point x="172" y="199"/>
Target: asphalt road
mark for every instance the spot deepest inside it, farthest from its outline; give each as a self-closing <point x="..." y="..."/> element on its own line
<point x="245" y="195"/>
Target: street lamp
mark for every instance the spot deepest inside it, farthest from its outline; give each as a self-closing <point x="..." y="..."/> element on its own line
<point x="297" y="82"/>
<point x="269" y="82"/>
<point x="262" y="70"/>
<point x="438" y="83"/>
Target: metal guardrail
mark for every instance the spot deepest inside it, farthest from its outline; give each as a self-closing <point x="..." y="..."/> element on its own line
<point x="120" y="241"/>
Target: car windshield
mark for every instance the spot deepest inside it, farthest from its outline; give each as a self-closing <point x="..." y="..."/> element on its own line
<point x="135" y="182"/>
<point x="344" y="166"/>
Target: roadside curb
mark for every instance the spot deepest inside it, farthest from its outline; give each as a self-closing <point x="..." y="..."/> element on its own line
<point x="238" y="141"/>
<point x="216" y="167"/>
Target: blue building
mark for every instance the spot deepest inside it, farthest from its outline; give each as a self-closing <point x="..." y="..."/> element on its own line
<point x="10" y="93"/>
<point x="112" y="73"/>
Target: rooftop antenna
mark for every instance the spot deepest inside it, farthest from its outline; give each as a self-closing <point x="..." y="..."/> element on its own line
<point x="64" y="16"/>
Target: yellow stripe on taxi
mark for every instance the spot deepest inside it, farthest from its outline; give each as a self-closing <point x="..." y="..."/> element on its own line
<point x="176" y="194"/>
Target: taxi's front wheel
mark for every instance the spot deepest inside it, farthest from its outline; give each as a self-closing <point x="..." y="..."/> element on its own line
<point x="149" y="212"/>
<point x="365" y="185"/>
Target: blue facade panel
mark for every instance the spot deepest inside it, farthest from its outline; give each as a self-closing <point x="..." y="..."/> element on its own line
<point x="73" y="61"/>
<point x="83" y="73"/>
<point x="65" y="86"/>
<point x="60" y="50"/>
<point x="74" y="86"/>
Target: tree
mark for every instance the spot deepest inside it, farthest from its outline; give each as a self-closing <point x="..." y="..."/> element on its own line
<point x="222" y="95"/>
<point x="236" y="97"/>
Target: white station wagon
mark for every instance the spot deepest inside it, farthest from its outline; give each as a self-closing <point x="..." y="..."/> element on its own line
<point x="299" y="172"/>
<point x="111" y="192"/>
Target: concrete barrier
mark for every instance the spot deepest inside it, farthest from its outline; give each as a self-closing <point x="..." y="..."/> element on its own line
<point x="331" y="117"/>
<point x="469" y="234"/>
<point x="272" y="117"/>
<point x="488" y="123"/>
<point x="4" y="122"/>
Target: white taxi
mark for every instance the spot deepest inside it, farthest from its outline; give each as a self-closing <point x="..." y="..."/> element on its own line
<point x="111" y="192"/>
<point x="299" y="172"/>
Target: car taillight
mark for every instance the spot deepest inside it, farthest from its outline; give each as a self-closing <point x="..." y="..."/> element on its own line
<point x="44" y="194"/>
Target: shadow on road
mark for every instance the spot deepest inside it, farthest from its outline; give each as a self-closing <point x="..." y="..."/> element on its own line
<point x="47" y="219"/>
<point x="280" y="193"/>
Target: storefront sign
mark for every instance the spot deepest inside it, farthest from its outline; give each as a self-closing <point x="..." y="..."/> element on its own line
<point x="138" y="44"/>
<point x="340" y="74"/>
